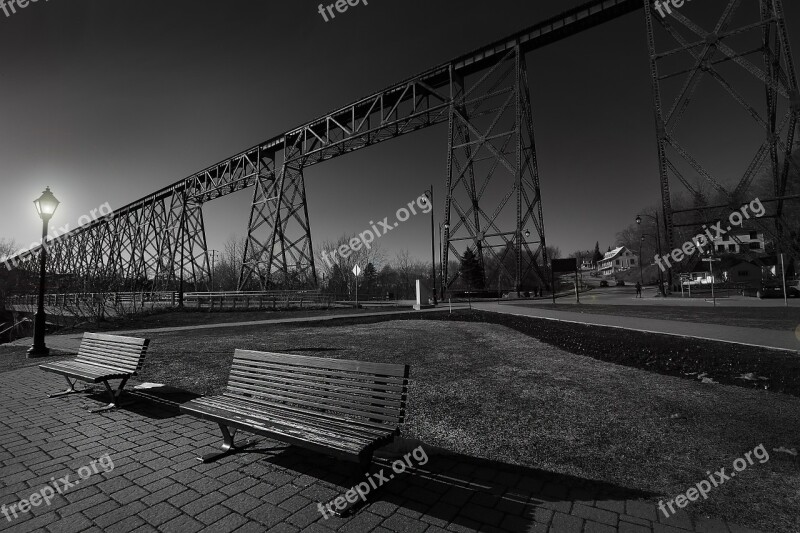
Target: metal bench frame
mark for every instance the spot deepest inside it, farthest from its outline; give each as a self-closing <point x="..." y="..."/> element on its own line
<point x="101" y="358"/>
<point x="342" y="408"/>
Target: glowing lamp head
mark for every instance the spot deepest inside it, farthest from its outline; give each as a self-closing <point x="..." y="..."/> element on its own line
<point x="46" y="204"/>
<point x="638" y="219"/>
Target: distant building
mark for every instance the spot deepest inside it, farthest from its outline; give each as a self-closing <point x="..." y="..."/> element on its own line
<point x="617" y="260"/>
<point x="743" y="272"/>
<point x="587" y="264"/>
<point x="751" y="241"/>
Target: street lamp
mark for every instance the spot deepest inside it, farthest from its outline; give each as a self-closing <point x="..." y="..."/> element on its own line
<point x="46" y="205"/>
<point x="519" y="282"/>
<point x="641" y="268"/>
<point x="443" y="242"/>
<point x="429" y="199"/>
<point x="658" y="243"/>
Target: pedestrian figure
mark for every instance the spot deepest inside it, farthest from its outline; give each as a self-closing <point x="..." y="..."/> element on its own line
<point x="638" y="290"/>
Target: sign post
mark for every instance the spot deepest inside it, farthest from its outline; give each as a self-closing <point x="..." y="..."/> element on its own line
<point x="565" y="266"/>
<point x="711" y="260"/>
<point x="356" y="271"/>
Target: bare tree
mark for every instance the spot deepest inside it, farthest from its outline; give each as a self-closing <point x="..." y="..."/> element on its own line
<point x="226" y="272"/>
<point x="331" y="262"/>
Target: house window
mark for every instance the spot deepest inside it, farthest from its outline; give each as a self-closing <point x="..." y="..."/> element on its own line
<point x="633" y="261"/>
<point x="616" y="262"/>
<point x="743" y="273"/>
<point x="755" y="245"/>
<point x="720" y="247"/>
<point x="753" y="235"/>
<point x="731" y="247"/>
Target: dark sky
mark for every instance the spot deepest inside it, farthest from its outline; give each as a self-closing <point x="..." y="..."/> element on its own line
<point x="107" y="101"/>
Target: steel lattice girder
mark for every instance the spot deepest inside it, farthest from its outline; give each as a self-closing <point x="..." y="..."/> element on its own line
<point x="137" y="244"/>
<point x="492" y="143"/>
<point x="402" y="108"/>
<point x="278" y="250"/>
<point x="698" y="58"/>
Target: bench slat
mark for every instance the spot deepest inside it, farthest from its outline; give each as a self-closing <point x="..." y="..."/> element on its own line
<point x="119" y="345"/>
<point x="107" y="359"/>
<point x="106" y="349"/>
<point x="344" y="393"/>
<point x="349" y="426"/>
<point x="90" y="373"/>
<point x="379" y="369"/>
<point x="319" y="401"/>
<point x="340" y="407"/>
<point x="136" y="341"/>
<point x="359" y="440"/>
<point x="293" y="434"/>
<point x="269" y="405"/>
<point x="390" y="390"/>
<point x="101" y="357"/>
<point x="333" y="373"/>
<point x="109" y="352"/>
<point x="244" y="393"/>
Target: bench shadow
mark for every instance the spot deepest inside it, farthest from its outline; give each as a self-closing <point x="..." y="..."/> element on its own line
<point x="159" y="403"/>
<point x="453" y="488"/>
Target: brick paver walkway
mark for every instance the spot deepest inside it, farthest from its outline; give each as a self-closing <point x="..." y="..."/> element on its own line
<point x="157" y="485"/>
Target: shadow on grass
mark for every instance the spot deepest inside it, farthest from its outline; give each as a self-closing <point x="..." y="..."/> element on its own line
<point x="453" y="488"/>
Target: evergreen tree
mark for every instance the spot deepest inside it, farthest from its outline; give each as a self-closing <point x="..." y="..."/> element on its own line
<point x="370" y="276"/>
<point x="471" y="271"/>
<point x="597" y="257"/>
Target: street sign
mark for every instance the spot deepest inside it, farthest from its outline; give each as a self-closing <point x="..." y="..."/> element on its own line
<point x="564" y="265"/>
<point x="356" y="270"/>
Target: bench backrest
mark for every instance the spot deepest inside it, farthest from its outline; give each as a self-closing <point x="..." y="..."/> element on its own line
<point x="373" y="394"/>
<point x="125" y="354"/>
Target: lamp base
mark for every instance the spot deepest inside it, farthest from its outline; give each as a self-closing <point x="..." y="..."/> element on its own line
<point x="38" y="351"/>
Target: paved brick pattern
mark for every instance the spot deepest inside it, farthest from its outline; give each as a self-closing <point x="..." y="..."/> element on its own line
<point x="157" y="485"/>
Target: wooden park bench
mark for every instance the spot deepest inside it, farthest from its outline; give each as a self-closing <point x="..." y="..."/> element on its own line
<point x="345" y="409"/>
<point x="101" y="358"/>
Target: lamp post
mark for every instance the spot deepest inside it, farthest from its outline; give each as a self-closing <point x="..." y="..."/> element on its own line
<point x="641" y="268"/>
<point x="46" y="205"/>
<point x="519" y="263"/>
<point x="443" y="241"/>
<point x="658" y="244"/>
<point x="213" y="266"/>
<point x="429" y="198"/>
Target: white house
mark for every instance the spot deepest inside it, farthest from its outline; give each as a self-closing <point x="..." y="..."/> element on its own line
<point x="752" y="241"/>
<point x="617" y="260"/>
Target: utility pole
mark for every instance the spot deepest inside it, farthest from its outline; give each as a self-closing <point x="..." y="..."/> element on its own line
<point x="213" y="267"/>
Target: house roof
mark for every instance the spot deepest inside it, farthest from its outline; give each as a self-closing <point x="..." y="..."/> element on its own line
<point x="613" y="253"/>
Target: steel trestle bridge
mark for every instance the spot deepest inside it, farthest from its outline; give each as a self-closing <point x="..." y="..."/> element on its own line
<point x="484" y="98"/>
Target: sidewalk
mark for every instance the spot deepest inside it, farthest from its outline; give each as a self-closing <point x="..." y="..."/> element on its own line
<point x="156" y="485"/>
<point x="71" y="341"/>
<point x="779" y="340"/>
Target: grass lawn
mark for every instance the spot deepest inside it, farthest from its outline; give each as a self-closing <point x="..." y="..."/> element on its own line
<point x="162" y="318"/>
<point x="496" y="391"/>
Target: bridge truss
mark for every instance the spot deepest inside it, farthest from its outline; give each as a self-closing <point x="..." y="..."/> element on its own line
<point x="494" y="203"/>
<point x="742" y="58"/>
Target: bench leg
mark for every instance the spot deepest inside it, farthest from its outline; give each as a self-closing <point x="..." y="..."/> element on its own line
<point x="228" y="447"/>
<point x="70" y="390"/>
<point x="113" y="395"/>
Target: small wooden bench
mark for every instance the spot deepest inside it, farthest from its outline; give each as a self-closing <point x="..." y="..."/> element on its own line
<point x="345" y="409"/>
<point x="101" y="358"/>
